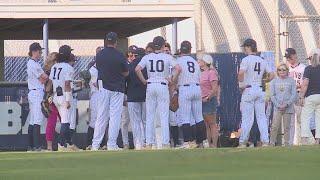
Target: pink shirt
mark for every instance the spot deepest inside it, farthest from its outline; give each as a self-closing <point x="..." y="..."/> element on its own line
<point x="205" y="82"/>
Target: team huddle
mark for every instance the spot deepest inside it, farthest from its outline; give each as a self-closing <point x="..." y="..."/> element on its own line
<point x="139" y="88"/>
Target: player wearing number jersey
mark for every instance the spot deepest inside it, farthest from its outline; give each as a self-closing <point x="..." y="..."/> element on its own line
<point x="61" y="76"/>
<point x="190" y="103"/>
<point x="253" y="98"/>
<point x="296" y="71"/>
<point x="157" y="94"/>
<point x="36" y="80"/>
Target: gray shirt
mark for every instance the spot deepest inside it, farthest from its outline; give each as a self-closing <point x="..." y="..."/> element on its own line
<point x="283" y="91"/>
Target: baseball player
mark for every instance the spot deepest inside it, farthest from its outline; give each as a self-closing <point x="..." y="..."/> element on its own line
<point x="190" y="100"/>
<point x="157" y="95"/>
<point x="93" y="84"/>
<point x="250" y="76"/>
<point x="112" y="69"/>
<point x="61" y="76"/>
<point x="36" y="80"/>
<point x="136" y="96"/>
<point x="75" y="88"/>
<point x="174" y="128"/>
<point x="296" y="71"/>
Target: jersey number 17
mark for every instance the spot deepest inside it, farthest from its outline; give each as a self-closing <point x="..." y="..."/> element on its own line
<point x="55" y="73"/>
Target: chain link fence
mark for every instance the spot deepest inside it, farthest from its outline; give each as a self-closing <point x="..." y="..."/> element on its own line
<point x="301" y="22"/>
<point x="15" y="61"/>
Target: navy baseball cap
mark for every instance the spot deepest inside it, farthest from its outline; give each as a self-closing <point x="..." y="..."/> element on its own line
<point x="112" y="37"/>
<point x="249" y="43"/>
<point x="140" y="52"/>
<point x="185" y="45"/>
<point x="132" y="49"/>
<point x="35" y="47"/>
<point x="289" y="52"/>
<point x="158" y="41"/>
<point x="65" y="49"/>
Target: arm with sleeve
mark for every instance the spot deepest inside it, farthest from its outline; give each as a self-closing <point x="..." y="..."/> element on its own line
<point x="273" y="94"/>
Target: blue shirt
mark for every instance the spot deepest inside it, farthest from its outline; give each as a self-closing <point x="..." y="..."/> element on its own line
<point x="111" y="64"/>
<point x="136" y="90"/>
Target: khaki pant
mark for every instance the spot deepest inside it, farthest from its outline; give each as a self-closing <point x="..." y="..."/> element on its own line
<point x="276" y="122"/>
<point x="311" y="105"/>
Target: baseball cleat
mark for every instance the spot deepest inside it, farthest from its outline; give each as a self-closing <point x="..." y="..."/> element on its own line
<point x="206" y="144"/>
<point x="242" y="146"/>
<point x="103" y="148"/>
<point x="126" y="147"/>
<point x="265" y="145"/>
<point x="72" y="147"/>
<point x="137" y="146"/>
<point x="61" y="148"/>
<point x="193" y="145"/>
<point x="148" y="147"/>
<point x="89" y="147"/>
<point x="116" y="148"/>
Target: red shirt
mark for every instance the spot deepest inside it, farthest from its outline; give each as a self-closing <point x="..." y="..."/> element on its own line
<point x="205" y="82"/>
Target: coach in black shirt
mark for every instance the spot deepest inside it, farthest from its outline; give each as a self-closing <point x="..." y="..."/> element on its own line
<point x="112" y="68"/>
<point x="136" y="97"/>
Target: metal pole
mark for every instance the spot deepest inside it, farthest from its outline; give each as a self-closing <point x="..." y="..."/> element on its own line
<point x="174" y="35"/>
<point x="198" y="23"/>
<point x="45" y="38"/>
<point x="277" y="32"/>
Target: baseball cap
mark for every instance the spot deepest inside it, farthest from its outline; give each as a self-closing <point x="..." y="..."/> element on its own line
<point x="65" y="49"/>
<point x="158" y="41"/>
<point x="132" y="49"/>
<point x="35" y="47"/>
<point x="249" y="43"/>
<point x="140" y="52"/>
<point x="314" y="51"/>
<point x="185" y="45"/>
<point x="289" y="52"/>
<point x="207" y="58"/>
<point x="112" y="37"/>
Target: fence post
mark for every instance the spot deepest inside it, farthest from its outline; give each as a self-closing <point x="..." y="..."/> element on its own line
<point x="277" y="32"/>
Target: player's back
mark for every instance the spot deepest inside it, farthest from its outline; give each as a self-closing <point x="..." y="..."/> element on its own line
<point x="61" y="72"/>
<point x="190" y="71"/>
<point x="254" y="67"/>
<point x="157" y="65"/>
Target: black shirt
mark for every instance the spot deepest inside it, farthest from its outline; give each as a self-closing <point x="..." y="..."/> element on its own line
<point x="136" y="90"/>
<point x="111" y="64"/>
<point x="313" y="74"/>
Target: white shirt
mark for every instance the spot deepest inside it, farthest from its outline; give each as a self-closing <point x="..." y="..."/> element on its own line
<point x="254" y="68"/>
<point x="190" y="71"/>
<point x="94" y="77"/>
<point x="158" y="65"/>
<point x="34" y="72"/>
<point x="60" y="73"/>
<point x="297" y="73"/>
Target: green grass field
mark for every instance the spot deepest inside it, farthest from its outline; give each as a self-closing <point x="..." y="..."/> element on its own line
<point x="282" y="163"/>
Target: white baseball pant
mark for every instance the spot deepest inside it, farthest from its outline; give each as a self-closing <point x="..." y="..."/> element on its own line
<point x="253" y="100"/>
<point x="93" y="108"/>
<point x="35" y="98"/>
<point x="157" y="100"/>
<point x="110" y="105"/>
<point x="125" y="121"/>
<point x="137" y="113"/>
<point x="60" y="103"/>
<point x="73" y="113"/>
<point x="190" y="104"/>
<point x="172" y="118"/>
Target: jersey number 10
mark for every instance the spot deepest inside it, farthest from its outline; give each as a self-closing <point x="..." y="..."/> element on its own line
<point x="257" y="67"/>
<point x="159" y="66"/>
<point x="55" y="71"/>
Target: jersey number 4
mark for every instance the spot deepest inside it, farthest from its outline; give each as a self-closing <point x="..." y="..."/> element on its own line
<point x="257" y="67"/>
<point x="55" y="73"/>
<point x="159" y="66"/>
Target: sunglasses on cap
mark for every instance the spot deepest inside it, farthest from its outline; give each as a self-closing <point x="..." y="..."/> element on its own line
<point x="281" y="69"/>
